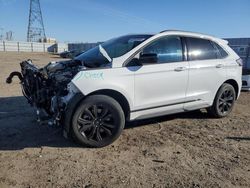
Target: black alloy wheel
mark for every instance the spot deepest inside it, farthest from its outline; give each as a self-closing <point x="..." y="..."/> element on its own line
<point x="98" y="121"/>
<point x="224" y="101"/>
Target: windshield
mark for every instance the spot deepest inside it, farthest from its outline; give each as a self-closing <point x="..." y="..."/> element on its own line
<point x="113" y="48"/>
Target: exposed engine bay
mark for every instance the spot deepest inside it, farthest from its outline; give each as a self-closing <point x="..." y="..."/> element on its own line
<point x="44" y="88"/>
<point x="49" y="88"/>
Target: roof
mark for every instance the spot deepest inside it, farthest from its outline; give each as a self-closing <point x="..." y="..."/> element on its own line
<point x="193" y="34"/>
<point x="186" y="32"/>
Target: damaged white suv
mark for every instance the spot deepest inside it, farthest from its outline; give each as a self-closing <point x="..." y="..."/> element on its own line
<point x="134" y="77"/>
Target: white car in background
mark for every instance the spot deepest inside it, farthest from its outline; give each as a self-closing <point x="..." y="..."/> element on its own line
<point x="134" y="77"/>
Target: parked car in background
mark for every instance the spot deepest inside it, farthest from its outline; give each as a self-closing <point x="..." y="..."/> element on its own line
<point x="70" y="54"/>
<point x="134" y="77"/>
<point x="244" y="52"/>
<point x="246" y="80"/>
<point x="242" y="47"/>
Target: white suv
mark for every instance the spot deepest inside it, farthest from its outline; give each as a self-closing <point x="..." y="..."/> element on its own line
<point x="134" y="77"/>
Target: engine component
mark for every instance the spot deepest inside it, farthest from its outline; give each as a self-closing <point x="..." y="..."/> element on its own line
<point x="43" y="87"/>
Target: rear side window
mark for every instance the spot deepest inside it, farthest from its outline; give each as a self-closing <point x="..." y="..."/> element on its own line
<point x="200" y="49"/>
<point x="222" y="52"/>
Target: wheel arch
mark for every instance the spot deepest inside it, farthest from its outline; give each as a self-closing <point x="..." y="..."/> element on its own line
<point x="119" y="97"/>
<point x="235" y="85"/>
<point x="213" y="109"/>
<point x="68" y="113"/>
<point x="76" y="100"/>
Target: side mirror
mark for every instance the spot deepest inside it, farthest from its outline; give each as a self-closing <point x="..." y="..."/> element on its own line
<point x="134" y="62"/>
<point x="148" y="58"/>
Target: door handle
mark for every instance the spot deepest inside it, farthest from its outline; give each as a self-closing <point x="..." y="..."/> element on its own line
<point x="219" y="66"/>
<point x="179" y="69"/>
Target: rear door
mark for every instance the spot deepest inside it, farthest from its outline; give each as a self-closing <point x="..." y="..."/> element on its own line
<point x="206" y="72"/>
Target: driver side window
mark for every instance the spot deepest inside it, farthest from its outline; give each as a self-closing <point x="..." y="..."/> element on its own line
<point x="167" y="49"/>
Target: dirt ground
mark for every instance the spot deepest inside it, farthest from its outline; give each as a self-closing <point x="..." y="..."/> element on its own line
<point x="183" y="150"/>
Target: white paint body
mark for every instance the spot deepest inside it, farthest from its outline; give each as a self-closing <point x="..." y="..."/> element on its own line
<point x="159" y="89"/>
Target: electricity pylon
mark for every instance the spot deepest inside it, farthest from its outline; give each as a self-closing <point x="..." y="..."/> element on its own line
<point x="35" y="28"/>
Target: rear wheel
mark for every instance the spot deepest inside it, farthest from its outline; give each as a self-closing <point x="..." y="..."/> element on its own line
<point x="98" y="121"/>
<point x="223" y="102"/>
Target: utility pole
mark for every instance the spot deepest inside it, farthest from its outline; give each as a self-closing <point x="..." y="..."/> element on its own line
<point x="1" y="33"/>
<point x="36" y="30"/>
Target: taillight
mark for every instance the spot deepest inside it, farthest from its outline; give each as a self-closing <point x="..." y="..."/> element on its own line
<point x="240" y="62"/>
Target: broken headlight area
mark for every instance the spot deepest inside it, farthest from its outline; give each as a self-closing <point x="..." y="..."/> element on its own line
<point x="48" y="88"/>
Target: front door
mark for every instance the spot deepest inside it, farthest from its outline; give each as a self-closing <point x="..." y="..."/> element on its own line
<point x="162" y="79"/>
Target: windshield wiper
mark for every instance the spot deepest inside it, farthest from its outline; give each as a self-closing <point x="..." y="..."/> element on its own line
<point x="104" y="53"/>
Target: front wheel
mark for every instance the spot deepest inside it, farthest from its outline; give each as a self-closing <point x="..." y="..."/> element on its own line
<point x="98" y="121"/>
<point x="223" y="102"/>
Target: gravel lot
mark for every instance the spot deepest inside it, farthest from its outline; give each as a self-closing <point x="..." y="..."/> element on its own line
<point x="183" y="150"/>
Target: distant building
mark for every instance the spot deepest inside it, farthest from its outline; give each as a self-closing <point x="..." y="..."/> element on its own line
<point x="82" y="46"/>
<point x="48" y="40"/>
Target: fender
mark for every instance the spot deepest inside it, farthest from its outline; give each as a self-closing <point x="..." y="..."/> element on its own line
<point x="69" y="111"/>
<point x="120" y="80"/>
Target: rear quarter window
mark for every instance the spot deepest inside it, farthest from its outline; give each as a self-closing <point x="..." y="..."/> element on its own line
<point x="201" y="49"/>
<point x="221" y="51"/>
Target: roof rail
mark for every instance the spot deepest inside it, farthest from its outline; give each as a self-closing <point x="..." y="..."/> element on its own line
<point x="169" y="30"/>
<point x="186" y="32"/>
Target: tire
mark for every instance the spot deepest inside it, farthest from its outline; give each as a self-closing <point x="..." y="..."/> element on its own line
<point x="223" y="102"/>
<point x="98" y="121"/>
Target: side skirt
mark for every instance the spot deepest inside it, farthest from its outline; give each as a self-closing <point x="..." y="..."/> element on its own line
<point x="165" y="110"/>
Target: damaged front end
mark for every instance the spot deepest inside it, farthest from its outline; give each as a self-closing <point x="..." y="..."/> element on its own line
<point x="49" y="88"/>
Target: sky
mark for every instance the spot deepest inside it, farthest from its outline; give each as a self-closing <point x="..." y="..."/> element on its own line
<point x="99" y="20"/>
